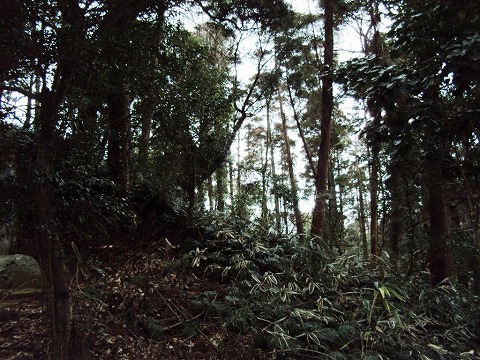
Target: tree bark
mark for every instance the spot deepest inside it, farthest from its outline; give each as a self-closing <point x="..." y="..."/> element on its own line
<point x="119" y="138"/>
<point x="440" y="260"/>
<point x="291" y="173"/>
<point x="318" y="216"/>
<point x="301" y="133"/>
<point x="221" y="187"/>
<point x="396" y="215"/>
<point x="374" y="166"/>
<point x="265" y="168"/>
<point x="52" y="259"/>
<point x="362" y="217"/>
<point x="278" y="223"/>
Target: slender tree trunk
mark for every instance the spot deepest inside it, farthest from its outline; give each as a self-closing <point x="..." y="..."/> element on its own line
<point x="28" y="115"/>
<point x="301" y="133"/>
<point x="148" y="108"/>
<point x="375" y="111"/>
<point x="190" y="187"/>
<point x="264" y="214"/>
<point x="231" y="183"/>
<point x="265" y="168"/>
<point x="211" y="204"/>
<point x="331" y="220"/>
<point x="341" y="218"/>
<point x="278" y="224"/>
<point x="318" y="218"/>
<point x="396" y="215"/>
<point x="200" y="197"/>
<point x="374" y="167"/>
<point x="474" y="220"/>
<point x="221" y="188"/>
<point x="291" y="173"/>
<point x="362" y="217"/>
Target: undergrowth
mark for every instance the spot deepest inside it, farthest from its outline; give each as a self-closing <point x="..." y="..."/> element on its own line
<point x="296" y="302"/>
<point x="243" y="292"/>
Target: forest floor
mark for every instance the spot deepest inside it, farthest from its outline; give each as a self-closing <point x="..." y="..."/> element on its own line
<point x="129" y="307"/>
<point x="139" y="303"/>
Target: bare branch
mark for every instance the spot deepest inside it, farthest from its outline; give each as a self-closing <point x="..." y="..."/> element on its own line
<point x="20" y="90"/>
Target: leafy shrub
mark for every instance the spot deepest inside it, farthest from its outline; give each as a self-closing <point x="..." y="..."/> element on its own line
<point x="298" y="304"/>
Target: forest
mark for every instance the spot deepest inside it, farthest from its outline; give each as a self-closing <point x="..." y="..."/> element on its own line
<point x="200" y="179"/>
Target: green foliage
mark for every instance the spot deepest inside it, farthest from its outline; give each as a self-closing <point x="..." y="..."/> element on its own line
<point x="298" y="303"/>
<point x="90" y="208"/>
<point x="237" y="14"/>
<point x="191" y="120"/>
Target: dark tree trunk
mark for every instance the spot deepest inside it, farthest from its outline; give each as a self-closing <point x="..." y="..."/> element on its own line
<point x="211" y="205"/>
<point x="362" y="217"/>
<point x="231" y="182"/>
<point x="148" y="108"/>
<point x="221" y="188"/>
<point x="396" y="215"/>
<point x="440" y="261"/>
<point x="374" y="167"/>
<point x="119" y="138"/>
<point x="318" y="216"/>
<point x="265" y="168"/>
<point x="52" y="259"/>
<point x="50" y="247"/>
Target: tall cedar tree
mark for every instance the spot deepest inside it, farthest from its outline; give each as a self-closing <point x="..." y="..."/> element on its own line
<point x="318" y="216"/>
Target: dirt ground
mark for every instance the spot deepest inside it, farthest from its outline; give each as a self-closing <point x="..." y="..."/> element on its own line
<point x="131" y="309"/>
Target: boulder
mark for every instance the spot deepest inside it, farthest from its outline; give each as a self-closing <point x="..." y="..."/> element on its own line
<point x="20" y="271"/>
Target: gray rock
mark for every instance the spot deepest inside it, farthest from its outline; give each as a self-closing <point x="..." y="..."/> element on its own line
<point x="20" y="271"/>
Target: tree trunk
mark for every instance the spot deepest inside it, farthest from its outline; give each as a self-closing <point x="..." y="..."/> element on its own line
<point x="396" y="215"/>
<point x="301" y="133"/>
<point x="374" y="167"/>
<point x="318" y="216"/>
<point x="190" y="187"/>
<point x="221" y="188"/>
<point x="119" y="138"/>
<point x="52" y="259"/>
<point x="28" y="114"/>
<point x="440" y="261"/>
<point x="231" y="182"/>
<point x="148" y="108"/>
<point x="265" y="168"/>
<point x="278" y="224"/>
<point x="211" y="205"/>
<point x="291" y="173"/>
<point x="362" y="217"/>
